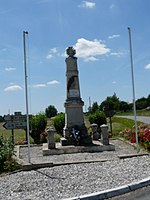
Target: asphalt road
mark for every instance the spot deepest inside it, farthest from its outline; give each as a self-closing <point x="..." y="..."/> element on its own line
<point x="140" y="194"/>
<point x="144" y="119"/>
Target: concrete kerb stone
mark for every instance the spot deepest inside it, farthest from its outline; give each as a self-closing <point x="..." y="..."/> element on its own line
<point x="93" y="196"/>
<point x="132" y="155"/>
<point x="33" y="166"/>
<point x="117" y="191"/>
<point x="113" y="192"/>
<point x="136" y="185"/>
<point x="80" y="162"/>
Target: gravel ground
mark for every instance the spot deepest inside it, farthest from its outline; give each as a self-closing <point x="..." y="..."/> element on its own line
<point x="77" y="179"/>
<point x="37" y="156"/>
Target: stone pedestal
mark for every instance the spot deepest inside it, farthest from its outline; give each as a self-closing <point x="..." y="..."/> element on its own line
<point x="51" y="142"/>
<point x="95" y="134"/>
<point x="74" y="118"/>
<point x="104" y="134"/>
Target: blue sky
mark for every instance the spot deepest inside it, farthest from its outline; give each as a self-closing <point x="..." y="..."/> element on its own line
<point x="98" y="31"/>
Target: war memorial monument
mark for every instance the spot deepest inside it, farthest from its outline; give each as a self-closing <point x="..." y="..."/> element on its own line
<point x="75" y="135"/>
<point x="74" y="117"/>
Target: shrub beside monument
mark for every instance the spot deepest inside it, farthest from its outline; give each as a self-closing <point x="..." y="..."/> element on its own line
<point x="7" y="151"/>
<point x="37" y="126"/>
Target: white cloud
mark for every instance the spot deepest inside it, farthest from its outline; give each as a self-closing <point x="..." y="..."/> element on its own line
<point x="92" y="58"/>
<point x="87" y="4"/>
<point x="118" y="54"/>
<point x="64" y="54"/>
<point x="53" y="82"/>
<point x="90" y="50"/>
<point x="40" y="85"/>
<point x="10" y="69"/>
<point x="43" y="85"/>
<point x="113" y="36"/>
<point x="13" y="88"/>
<point x="53" y="50"/>
<point x="147" y="66"/>
<point x="49" y="56"/>
<point x="51" y="53"/>
<point x="114" y="82"/>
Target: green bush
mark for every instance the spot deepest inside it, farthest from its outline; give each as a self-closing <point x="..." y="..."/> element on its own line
<point x="59" y="123"/>
<point x="7" y="163"/>
<point x="11" y="165"/>
<point x="57" y="137"/>
<point x="38" y="125"/>
<point x="98" y="118"/>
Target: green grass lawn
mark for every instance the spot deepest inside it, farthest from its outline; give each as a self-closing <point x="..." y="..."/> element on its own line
<point x="118" y="124"/>
<point x="19" y="134"/>
<point x="138" y="113"/>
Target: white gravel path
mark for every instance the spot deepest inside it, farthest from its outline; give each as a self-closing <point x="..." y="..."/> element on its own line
<point x="77" y="179"/>
<point x="37" y="156"/>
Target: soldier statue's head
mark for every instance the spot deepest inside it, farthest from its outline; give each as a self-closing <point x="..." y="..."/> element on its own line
<point x="70" y="51"/>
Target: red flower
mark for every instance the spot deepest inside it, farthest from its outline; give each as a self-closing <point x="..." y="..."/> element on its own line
<point x="44" y="133"/>
<point x="133" y="140"/>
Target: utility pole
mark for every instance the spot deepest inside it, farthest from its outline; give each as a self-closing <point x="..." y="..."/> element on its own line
<point x="26" y="92"/>
<point x="133" y="89"/>
<point x="89" y="102"/>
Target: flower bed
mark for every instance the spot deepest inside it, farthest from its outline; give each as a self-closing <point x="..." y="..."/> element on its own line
<point x="143" y="135"/>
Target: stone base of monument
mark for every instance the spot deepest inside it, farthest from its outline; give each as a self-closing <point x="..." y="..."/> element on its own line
<point x="69" y="138"/>
<point x="96" y="146"/>
<point x="86" y="142"/>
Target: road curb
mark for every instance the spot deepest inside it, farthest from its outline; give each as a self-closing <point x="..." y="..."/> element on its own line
<point x="124" y="156"/>
<point x="114" y="191"/>
<point x="33" y="166"/>
<point x="137" y="185"/>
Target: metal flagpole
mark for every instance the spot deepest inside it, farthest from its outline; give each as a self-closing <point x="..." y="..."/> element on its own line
<point x="26" y="92"/>
<point x="135" y="122"/>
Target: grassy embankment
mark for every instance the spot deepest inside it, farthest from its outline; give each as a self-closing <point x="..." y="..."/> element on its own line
<point x="138" y="113"/>
<point x="119" y="124"/>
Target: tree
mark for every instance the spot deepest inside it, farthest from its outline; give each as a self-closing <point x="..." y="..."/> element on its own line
<point x="111" y="102"/>
<point x="1" y="119"/>
<point x="51" y="111"/>
<point x="110" y="105"/>
<point x="94" y="107"/>
<point x="148" y="100"/>
<point x="141" y="103"/>
<point x="124" y="106"/>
